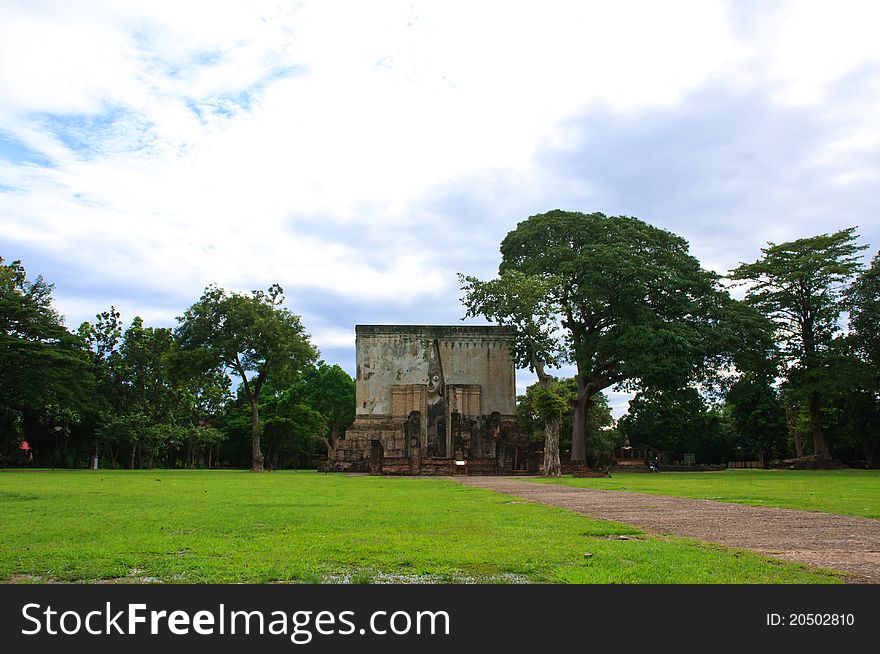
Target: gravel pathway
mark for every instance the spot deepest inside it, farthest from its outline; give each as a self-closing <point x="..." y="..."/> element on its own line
<point x="844" y="543"/>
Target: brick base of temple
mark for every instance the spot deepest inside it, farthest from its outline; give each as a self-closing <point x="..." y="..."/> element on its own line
<point x="378" y="445"/>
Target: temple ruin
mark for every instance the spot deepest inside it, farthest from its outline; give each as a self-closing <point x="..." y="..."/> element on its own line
<point x="434" y="400"/>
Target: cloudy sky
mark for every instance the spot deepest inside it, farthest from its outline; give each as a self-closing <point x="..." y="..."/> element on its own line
<point x="362" y="153"/>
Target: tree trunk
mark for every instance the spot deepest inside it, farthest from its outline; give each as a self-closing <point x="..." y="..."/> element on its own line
<point x="252" y="390"/>
<point x="331" y="441"/>
<point x="552" y="468"/>
<point x="809" y="362"/>
<point x="870" y="453"/>
<point x="819" y="446"/>
<point x="791" y="421"/>
<point x="257" y="465"/>
<point x="579" y="424"/>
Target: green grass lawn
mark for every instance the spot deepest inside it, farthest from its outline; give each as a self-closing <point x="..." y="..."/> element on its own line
<point x="231" y="526"/>
<point x="846" y="492"/>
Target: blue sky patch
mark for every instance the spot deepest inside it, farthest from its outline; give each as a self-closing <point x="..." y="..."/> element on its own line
<point x="18" y="153"/>
<point x="91" y="134"/>
<point x="229" y="105"/>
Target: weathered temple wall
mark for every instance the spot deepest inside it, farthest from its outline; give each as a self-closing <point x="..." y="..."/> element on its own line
<point x="433" y="400"/>
<point x="397" y="355"/>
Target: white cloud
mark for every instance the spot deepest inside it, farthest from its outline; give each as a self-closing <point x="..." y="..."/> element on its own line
<point x="333" y="338"/>
<point x="814" y="43"/>
<point x="247" y="143"/>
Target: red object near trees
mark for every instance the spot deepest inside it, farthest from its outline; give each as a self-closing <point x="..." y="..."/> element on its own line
<point x="25" y="446"/>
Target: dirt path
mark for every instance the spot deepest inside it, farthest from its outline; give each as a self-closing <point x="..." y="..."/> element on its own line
<point x="839" y="542"/>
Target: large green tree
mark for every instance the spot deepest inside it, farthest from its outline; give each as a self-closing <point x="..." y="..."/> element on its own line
<point x="802" y="286"/>
<point x="329" y="391"/>
<point x="40" y="360"/>
<point x="675" y="421"/>
<point x="635" y="309"/>
<point x="864" y="341"/>
<point x="754" y="416"/>
<point x="293" y="426"/>
<point x="250" y="335"/>
<point x="153" y="390"/>
<point x="104" y="339"/>
<point x="864" y="310"/>
<point x="758" y="416"/>
<point x="45" y="377"/>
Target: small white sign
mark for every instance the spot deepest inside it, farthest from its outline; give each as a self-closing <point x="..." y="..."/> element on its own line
<point x="459" y="463"/>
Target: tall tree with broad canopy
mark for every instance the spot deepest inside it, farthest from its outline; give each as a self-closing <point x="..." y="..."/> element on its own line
<point x="45" y="376"/>
<point x="41" y="362"/>
<point x="864" y="313"/>
<point x="802" y="286"/>
<point x="525" y="303"/>
<point x="330" y="391"/>
<point x="249" y="335"/>
<point x="46" y="382"/>
<point x="634" y="308"/>
<point x="153" y="391"/>
<point x="864" y="340"/>
<point x="758" y="416"/>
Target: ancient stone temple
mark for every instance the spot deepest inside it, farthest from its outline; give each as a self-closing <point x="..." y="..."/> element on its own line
<point x="433" y="400"/>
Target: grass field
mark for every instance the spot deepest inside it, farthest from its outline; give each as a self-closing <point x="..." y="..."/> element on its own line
<point x="230" y="526"/>
<point x="846" y="492"/>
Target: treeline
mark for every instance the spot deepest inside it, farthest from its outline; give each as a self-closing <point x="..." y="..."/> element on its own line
<point x="791" y="370"/>
<point x="141" y="397"/>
